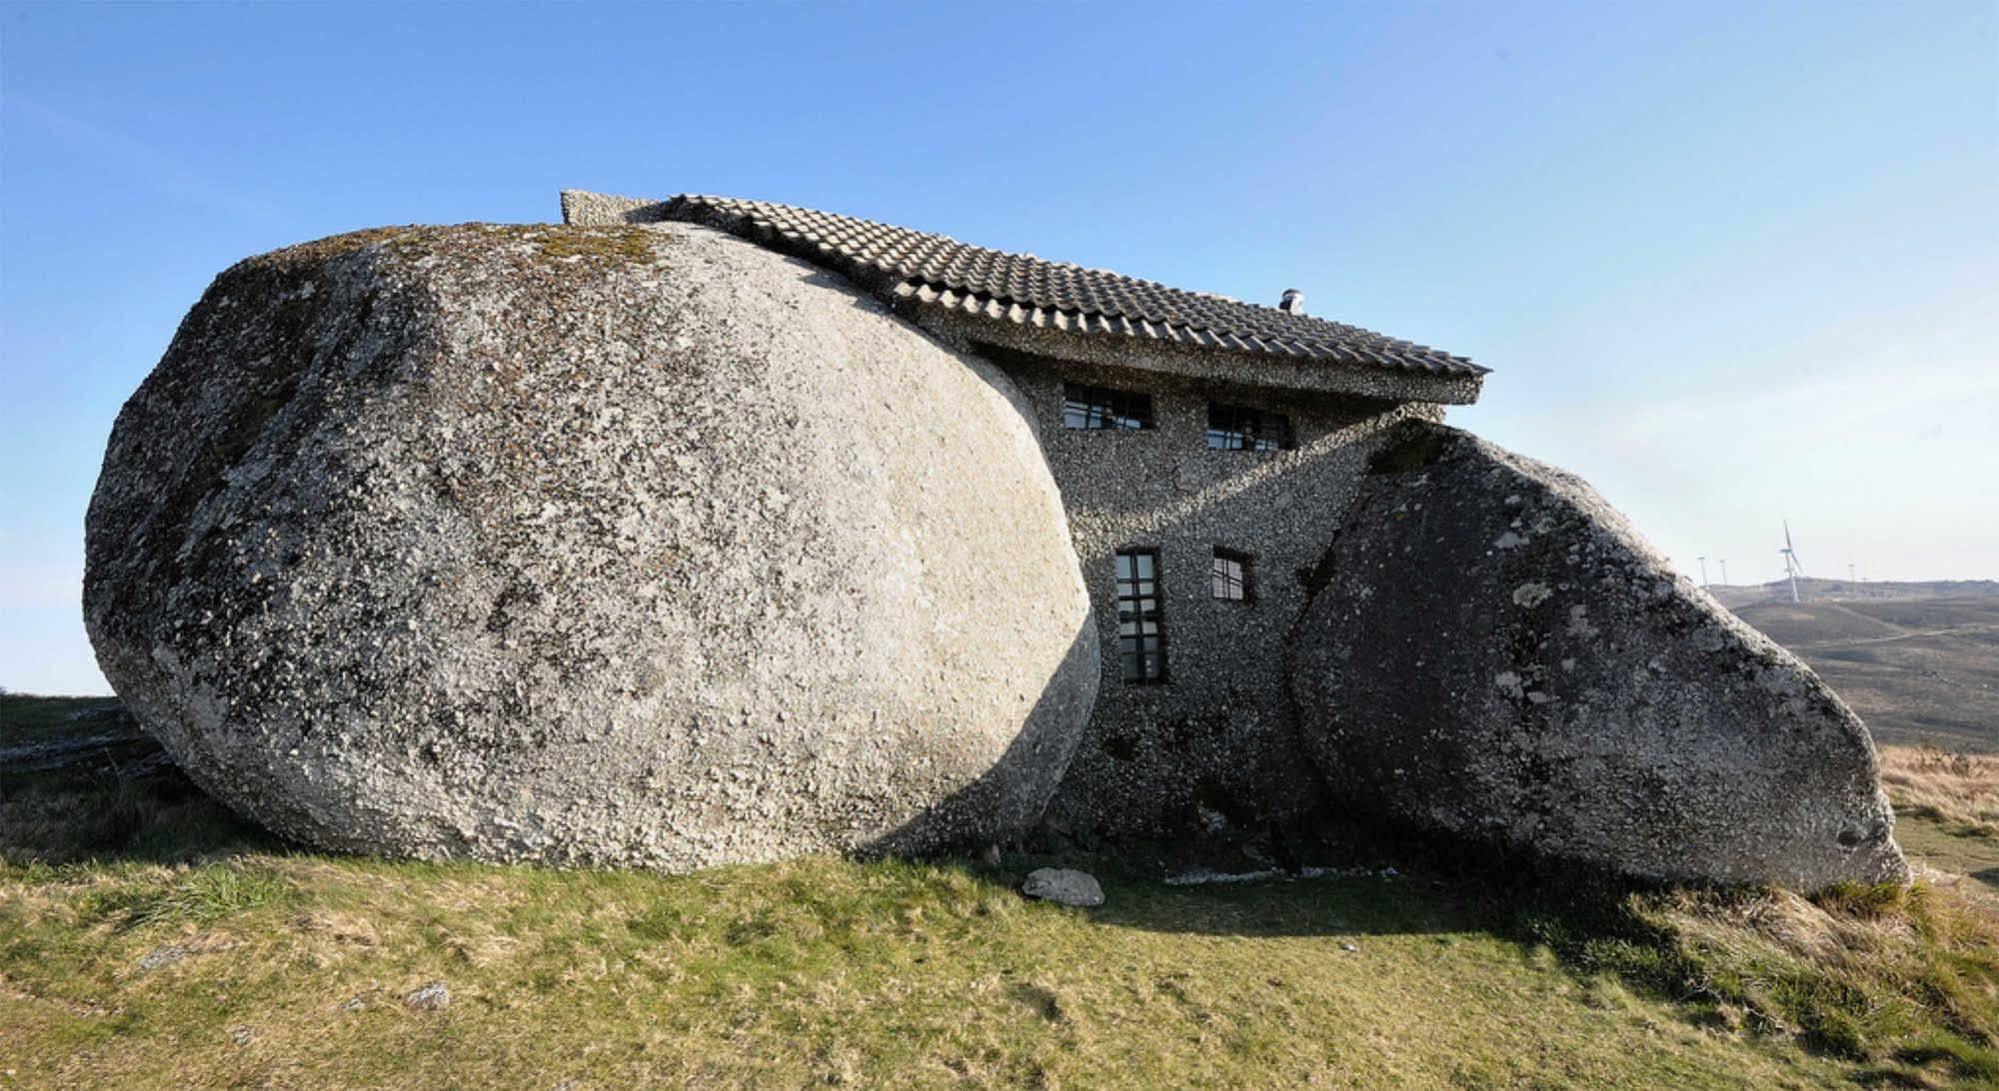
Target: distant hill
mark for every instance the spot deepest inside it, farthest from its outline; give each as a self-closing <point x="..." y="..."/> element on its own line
<point x="1918" y="668"/>
<point x="1816" y="590"/>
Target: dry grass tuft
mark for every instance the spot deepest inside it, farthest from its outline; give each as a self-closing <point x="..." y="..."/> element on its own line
<point x="1903" y="982"/>
<point x="1960" y="790"/>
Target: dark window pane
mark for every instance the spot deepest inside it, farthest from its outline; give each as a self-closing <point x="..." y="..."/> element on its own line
<point x="1097" y="408"/>
<point x="1239" y="428"/>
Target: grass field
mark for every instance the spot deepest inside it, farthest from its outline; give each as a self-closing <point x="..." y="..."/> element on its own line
<point x="148" y="939"/>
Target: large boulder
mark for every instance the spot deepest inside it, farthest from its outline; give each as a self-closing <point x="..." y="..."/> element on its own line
<point x="1495" y="654"/>
<point x="622" y="545"/>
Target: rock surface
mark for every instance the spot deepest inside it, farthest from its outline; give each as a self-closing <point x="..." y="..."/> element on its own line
<point x="1496" y="654"/>
<point x="624" y="545"/>
<point x="1064" y="886"/>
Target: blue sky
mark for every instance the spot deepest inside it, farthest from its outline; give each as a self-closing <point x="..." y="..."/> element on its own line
<point x="1732" y="262"/>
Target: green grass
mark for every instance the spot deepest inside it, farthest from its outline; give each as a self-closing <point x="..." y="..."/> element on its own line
<point x="195" y="897"/>
<point x="177" y="946"/>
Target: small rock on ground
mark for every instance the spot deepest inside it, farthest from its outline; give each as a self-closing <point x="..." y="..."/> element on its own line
<point x="1063" y="885"/>
<point x="432" y="997"/>
<point x="160" y="958"/>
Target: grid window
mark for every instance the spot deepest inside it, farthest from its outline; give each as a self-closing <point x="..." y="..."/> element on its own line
<point x="1230" y="579"/>
<point x="1097" y="407"/>
<point x="1141" y="631"/>
<point x="1240" y="428"/>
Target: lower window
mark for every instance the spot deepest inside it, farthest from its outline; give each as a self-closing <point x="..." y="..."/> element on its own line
<point x="1141" y="630"/>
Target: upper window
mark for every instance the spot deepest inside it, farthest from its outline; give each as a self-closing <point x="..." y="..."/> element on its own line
<point x="1141" y="635"/>
<point x="1230" y="578"/>
<point x="1095" y="407"/>
<point x="1239" y="428"/>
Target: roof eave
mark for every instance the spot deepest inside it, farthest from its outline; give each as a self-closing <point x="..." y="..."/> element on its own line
<point x="1201" y="364"/>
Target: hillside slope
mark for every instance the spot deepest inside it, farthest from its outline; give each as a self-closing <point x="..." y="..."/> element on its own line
<point x="1918" y="670"/>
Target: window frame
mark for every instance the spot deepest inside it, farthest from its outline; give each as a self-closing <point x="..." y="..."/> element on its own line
<point x="1244" y="581"/>
<point x="1246" y="428"/>
<point x="1134" y="576"/>
<point x="1106" y="409"/>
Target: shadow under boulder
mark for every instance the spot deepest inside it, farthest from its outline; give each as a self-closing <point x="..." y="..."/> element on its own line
<point x="1496" y="654"/>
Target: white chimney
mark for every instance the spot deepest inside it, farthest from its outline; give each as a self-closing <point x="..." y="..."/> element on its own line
<point x="1293" y="302"/>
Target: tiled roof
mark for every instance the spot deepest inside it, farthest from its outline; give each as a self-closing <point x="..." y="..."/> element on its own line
<point x="937" y="270"/>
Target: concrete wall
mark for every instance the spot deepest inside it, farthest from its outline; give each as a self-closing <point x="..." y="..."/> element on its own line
<point x="1216" y="743"/>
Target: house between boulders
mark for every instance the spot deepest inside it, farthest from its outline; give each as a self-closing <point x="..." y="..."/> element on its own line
<point x="1205" y="448"/>
<point x="764" y="531"/>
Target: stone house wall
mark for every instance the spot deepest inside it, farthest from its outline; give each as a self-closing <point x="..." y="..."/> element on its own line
<point x="1214" y="744"/>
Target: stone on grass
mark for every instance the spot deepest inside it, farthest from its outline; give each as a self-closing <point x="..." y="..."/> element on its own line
<point x="159" y="958"/>
<point x="623" y="545"/>
<point x="1065" y="886"/>
<point x="1495" y="654"/>
<point x="434" y="996"/>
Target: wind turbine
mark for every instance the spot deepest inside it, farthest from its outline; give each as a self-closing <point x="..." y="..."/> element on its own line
<point x="1792" y="569"/>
